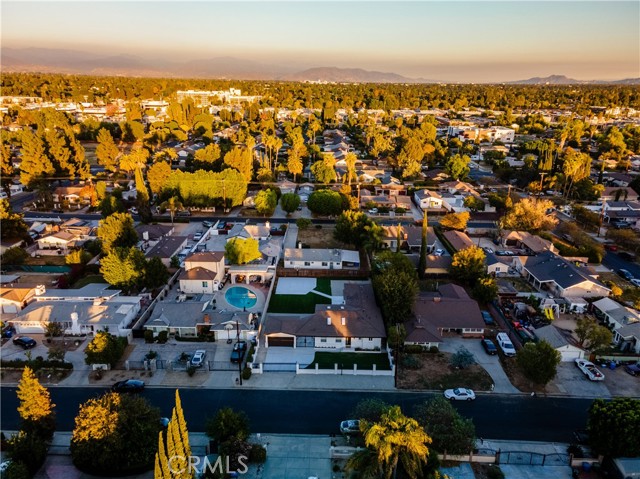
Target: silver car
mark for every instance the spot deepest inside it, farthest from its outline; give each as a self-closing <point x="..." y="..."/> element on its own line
<point x="460" y="394"/>
<point x="198" y="358"/>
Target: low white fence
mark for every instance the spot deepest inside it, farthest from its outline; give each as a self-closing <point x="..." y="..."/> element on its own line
<point x="348" y="371"/>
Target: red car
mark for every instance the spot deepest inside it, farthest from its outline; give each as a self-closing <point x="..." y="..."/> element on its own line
<point x="611" y="247"/>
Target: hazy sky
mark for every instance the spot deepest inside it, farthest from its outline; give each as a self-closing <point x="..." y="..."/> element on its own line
<point x="454" y="40"/>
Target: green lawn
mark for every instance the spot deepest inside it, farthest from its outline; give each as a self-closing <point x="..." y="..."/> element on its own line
<point x="347" y="360"/>
<point x="301" y="303"/>
<point x="296" y="303"/>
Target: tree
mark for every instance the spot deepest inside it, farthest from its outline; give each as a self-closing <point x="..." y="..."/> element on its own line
<point x="396" y="286"/>
<point x="35" y="163"/>
<point x="324" y="170"/>
<point x="455" y="221"/>
<point x="266" y="202"/>
<point x="451" y="433"/>
<point x="172" y="460"/>
<point x="485" y="290"/>
<point x="458" y="167"/>
<point x="78" y="256"/>
<point x="13" y="225"/>
<point x="303" y="223"/>
<point x="529" y="215"/>
<point x="462" y="358"/>
<point x="613" y="427"/>
<point x="36" y="408"/>
<point x="206" y="157"/>
<point x="105" y="348"/>
<point x="325" y="202"/>
<point x="242" y="160"/>
<point x="468" y="265"/>
<point x="228" y="424"/>
<point x="397" y="439"/>
<point x="370" y="410"/>
<point x="107" y="151"/>
<point x="473" y="203"/>
<point x="117" y="231"/>
<point x="157" y="176"/>
<point x="156" y="273"/>
<point x="539" y="362"/>
<point x="173" y="204"/>
<point x="242" y="251"/>
<point x="410" y="157"/>
<point x="123" y="267"/>
<point x="14" y="256"/>
<point x="289" y="202"/>
<point x="587" y="330"/>
<point x="350" y="160"/>
<point x="351" y="227"/>
<point x="115" y="434"/>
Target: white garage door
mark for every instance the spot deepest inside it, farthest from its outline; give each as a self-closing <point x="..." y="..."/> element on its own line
<point x="568" y="356"/>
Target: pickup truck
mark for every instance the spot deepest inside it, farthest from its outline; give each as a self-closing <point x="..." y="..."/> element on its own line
<point x="589" y="369"/>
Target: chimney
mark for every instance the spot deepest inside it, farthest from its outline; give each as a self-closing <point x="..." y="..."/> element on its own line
<point x="206" y="319"/>
<point x="145" y="235"/>
<point x="344" y="321"/>
<point x="328" y="321"/>
<point x="40" y="290"/>
<point x="268" y="225"/>
<point x="299" y="244"/>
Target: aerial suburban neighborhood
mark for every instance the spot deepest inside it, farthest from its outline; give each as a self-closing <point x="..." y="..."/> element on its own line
<point x="316" y="275"/>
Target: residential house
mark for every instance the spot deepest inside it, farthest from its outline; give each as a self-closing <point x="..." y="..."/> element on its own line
<point x="497" y="265"/>
<point x="561" y="342"/>
<point x="410" y="238"/>
<point x="614" y="314"/>
<point x="355" y="325"/>
<point x="628" y="337"/>
<point x="8" y="243"/>
<point x="74" y="195"/>
<point x="166" y="248"/>
<point x="427" y="199"/>
<point x="438" y="266"/>
<point x="14" y="298"/>
<point x="153" y="232"/>
<point x="450" y="310"/>
<point x="61" y="241"/>
<point x="257" y="232"/>
<point x="114" y="314"/>
<point x="458" y="240"/>
<point x="204" y="272"/>
<point x="526" y="241"/>
<point x="316" y="258"/>
<point x="89" y="292"/>
<point x="559" y="277"/>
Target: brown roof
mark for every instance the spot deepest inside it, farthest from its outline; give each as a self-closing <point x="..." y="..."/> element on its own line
<point x="17" y="294"/>
<point x="198" y="274"/>
<point x="207" y="257"/>
<point x="458" y="239"/>
<point x="362" y="318"/>
<point x="155" y="231"/>
<point x="450" y="308"/>
<point x="419" y="331"/>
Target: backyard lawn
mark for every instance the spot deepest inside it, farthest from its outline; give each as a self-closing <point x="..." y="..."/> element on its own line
<point x="92" y="278"/>
<point x="347" y="360"/>
<point x="301" y="303"/>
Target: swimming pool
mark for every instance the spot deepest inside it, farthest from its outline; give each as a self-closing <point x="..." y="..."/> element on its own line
<point x="241" y="297"/>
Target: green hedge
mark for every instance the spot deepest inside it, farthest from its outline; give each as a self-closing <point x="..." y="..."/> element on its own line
<point x="35" y="364"/>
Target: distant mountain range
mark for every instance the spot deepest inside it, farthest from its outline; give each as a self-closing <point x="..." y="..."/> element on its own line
<point x="72" y="61"/>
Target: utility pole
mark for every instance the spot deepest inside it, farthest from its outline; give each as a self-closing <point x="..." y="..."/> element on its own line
<point x="242" y="353"/>
<point x="601" y="217"/>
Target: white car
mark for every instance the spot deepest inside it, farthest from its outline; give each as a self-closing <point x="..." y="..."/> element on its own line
<point x="133" y="211"/>
<point x="198" y="358"/>
<point x="488" y="250"/>
<point x="635" y="282"/>
<point x="438" y="252"/>
<point x="589" y="369"/>
<point x="460" y="394"/>
<point x="197" y="236"/>
<point x="373" y="211"/>
<point x="350" y="426"/>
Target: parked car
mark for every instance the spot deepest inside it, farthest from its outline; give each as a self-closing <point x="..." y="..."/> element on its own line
<point x="505" y="344"/>
<point x="197" y="236"/>
<point x="183" y="213"/>
<point x="611" y="247"/>
<point x="238" y="351"/>
<point x="373" y="211"/>
<point x="635" y="282"/>
<point x="625" y="274"/>
<point x="459" y="394"/>
<point x="128" y="386"/>
<point x="626" y="256"/>
<point x="622" y="225"/>
<point x="488" y="250"/>
<point x="486" y="317"/>
<point x="133" y="211"/>
<point x="589" y="370"/>
<point x="489" y="347"/>
<point x="350" y="426"/>
<point x="207" y="224"/>
<point x="633" y="369"/>
<point x="24" y="342"/>
<point x="438" y="252"/>
<point x="198" y="358"/>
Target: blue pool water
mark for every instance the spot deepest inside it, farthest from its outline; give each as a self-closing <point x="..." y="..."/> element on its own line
<point x="240" y="297"/>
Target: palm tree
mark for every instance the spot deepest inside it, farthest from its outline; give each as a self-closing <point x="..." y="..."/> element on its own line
<point x="173" y="204"/>
<point x="395" y="439"/>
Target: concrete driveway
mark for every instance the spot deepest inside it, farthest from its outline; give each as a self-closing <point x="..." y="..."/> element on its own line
<point x="302" y="356"/>
<point x="571" y="381"/>
<point x="491" y="364"/>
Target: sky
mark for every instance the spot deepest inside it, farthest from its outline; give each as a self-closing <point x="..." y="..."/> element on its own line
<point x="476" y="41"/>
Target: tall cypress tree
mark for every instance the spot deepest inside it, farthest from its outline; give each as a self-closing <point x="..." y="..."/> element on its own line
<point x="422" y="265"/>
<point x="175" y="450"/>
<point x="35" y="409"/>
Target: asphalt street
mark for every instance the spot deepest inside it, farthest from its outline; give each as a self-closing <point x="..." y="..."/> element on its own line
<point x="320" y="412"/>
<point x="615" y="262"/>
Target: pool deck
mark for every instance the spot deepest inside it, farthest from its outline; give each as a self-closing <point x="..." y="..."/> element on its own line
<point x="257" y="289"/>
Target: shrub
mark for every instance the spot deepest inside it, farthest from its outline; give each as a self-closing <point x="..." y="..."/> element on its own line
<point x="575" y="450"/>
<point x="163" y="336"/>
<point x="148" y="336"/>
<point x="258" y="453"/>
<point x="35" y="365"/>
<point x="16" y="470"/>
<point x="246" y="373"/>
<point x="410" y="362"/>
<point x="413" y="349"/>
<point x="191" y="370"/>
<point x="494" y="472"/>
<point x="29" y="449"/>
<point x="462" y="358"/>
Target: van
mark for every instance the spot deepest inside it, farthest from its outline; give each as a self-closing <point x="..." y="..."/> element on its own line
<point x="505" y="344"/>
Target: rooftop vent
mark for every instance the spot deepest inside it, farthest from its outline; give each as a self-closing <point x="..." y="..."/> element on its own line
<point x="328" y="321"/>
<point x="344" y="321"/>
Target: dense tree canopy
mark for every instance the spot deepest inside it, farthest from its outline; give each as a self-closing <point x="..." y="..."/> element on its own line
<point x="613" y="427"/>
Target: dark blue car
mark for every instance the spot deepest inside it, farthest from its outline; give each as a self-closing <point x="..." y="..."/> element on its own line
<point x="487" y="318"/>
<point x="24" y="342"/>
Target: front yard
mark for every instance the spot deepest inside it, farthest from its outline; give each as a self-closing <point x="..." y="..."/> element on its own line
<point x="433" y="371"/>
<point x="365" y="361"/>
